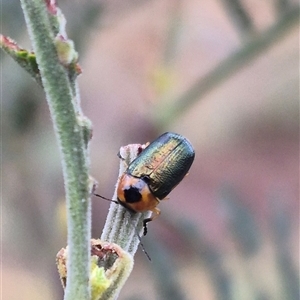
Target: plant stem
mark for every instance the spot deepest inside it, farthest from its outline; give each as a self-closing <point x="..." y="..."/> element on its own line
<point x="71" y="143"/>
<point x="240" y="18"/>
<point x="121" y="226"/>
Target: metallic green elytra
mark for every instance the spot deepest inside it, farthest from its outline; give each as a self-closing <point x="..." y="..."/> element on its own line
<point x="164" y="163"/>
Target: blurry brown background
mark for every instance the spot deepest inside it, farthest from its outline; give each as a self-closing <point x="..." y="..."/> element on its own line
<point x="230" y="230"/>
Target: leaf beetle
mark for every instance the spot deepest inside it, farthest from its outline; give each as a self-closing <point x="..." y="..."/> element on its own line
<point x="154" y="173"/>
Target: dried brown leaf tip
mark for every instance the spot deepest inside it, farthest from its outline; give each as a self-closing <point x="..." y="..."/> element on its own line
<point x="61" y="263"/>
<point x="110" y="267"/>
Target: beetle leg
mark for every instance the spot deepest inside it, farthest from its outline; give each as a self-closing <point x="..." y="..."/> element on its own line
<point x="155" y="214"/>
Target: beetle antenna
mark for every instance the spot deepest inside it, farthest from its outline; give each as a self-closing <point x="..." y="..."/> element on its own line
<point x="141" y="244"/>
<point x="115" y="201"/>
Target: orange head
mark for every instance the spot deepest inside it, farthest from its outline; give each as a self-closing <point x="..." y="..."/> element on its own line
<point x="135" y="195"/>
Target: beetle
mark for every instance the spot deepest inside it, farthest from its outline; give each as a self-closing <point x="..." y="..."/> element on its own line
<point x="154" y="173"/>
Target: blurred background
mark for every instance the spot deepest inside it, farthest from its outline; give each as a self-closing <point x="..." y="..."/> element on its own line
<point x="223" y="73"/>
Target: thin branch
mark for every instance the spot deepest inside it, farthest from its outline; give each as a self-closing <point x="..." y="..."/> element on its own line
<point x="240" y="18"/>
<point x="170" y="110"/>
<point x="282" y="6"/>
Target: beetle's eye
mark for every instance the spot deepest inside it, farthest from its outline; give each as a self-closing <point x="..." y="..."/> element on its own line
<point x="132" y="195"/>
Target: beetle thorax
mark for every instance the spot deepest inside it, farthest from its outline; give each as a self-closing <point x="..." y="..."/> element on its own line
<point x="135" y="194"/>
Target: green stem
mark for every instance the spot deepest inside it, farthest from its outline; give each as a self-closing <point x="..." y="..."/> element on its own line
<point x="72" y="147"/>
